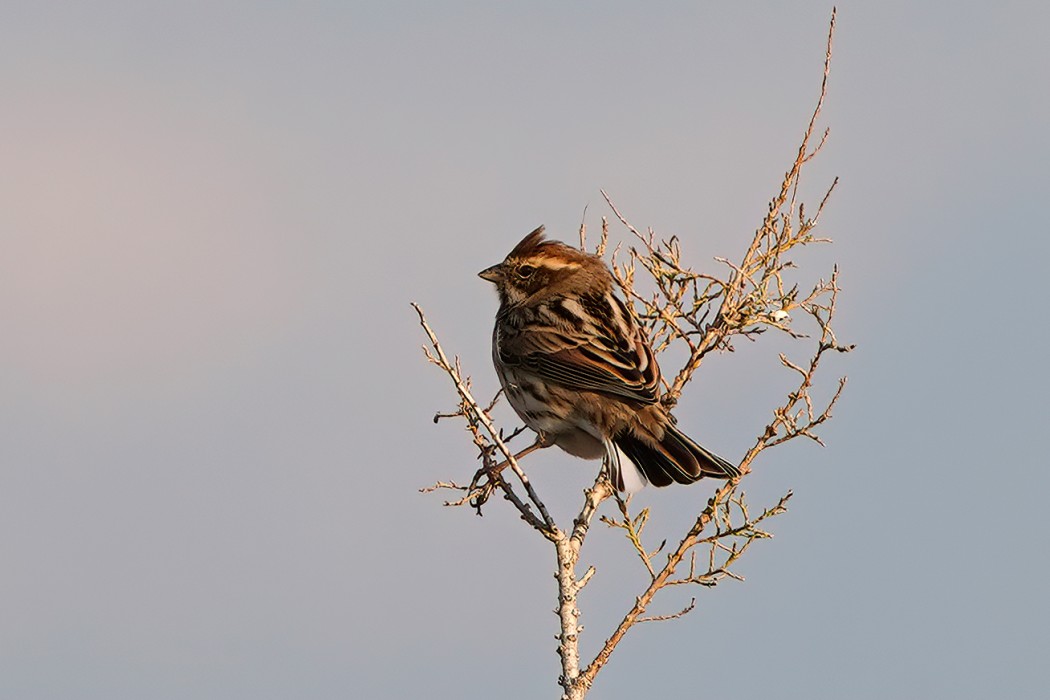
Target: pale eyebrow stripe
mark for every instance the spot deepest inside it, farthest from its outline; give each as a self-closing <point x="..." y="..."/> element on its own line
<point x="552" y="264"/>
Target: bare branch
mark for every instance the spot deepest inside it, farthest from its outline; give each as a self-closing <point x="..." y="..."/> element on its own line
<point x="633" y="529"/>
<point x="477" y="418"/>
<point x="681" y="613"/>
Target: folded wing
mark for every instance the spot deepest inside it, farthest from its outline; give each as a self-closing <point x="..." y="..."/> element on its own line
<point x="601" y="352"/>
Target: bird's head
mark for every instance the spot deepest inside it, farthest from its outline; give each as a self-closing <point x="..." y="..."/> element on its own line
<point x="537" y="268"/>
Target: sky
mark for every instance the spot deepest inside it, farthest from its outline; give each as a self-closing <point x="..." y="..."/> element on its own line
<point x="215" y="415"/>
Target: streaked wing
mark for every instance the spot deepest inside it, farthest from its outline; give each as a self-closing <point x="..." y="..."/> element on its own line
<point x="600" y="350"/>
<point x="582" y="368"/>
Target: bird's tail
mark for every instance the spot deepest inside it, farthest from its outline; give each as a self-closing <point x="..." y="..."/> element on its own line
<point x="676" y="458"/>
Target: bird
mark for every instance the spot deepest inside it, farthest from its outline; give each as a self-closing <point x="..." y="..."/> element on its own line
<point x="577" y="368"/>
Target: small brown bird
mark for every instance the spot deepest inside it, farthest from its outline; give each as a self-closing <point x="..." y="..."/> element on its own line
<point x="579" y="371"/>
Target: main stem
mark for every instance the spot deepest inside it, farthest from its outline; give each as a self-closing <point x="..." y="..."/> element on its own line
<point x="569" y="616"/>
<point x="567" y="546"/>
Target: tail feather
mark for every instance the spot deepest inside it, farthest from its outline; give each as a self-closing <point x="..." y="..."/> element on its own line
<point x="623" y="471"/>
<point x="675" y="459"/>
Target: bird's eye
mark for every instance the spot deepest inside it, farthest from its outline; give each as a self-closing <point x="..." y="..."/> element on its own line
<point x="525" y="271"/>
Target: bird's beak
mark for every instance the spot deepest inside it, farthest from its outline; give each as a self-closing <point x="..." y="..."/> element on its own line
<point x="492" y="274"/>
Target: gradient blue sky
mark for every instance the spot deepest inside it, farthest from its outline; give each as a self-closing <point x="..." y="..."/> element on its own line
<point x="214" y="414"/>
